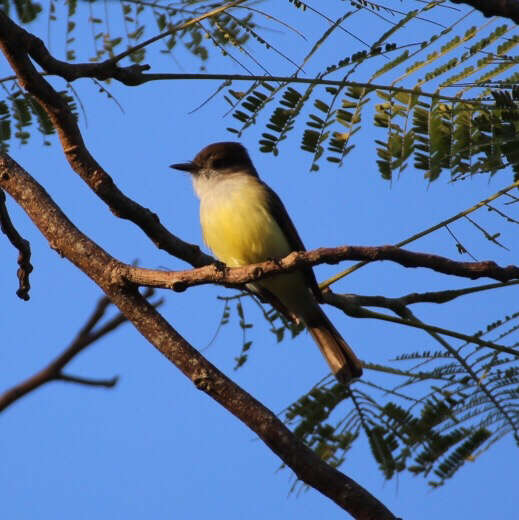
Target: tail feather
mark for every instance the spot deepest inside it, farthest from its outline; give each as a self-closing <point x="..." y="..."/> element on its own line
<point x="340" y="357"/>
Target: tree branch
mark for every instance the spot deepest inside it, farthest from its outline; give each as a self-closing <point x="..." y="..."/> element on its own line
<point x="99" y="266"/>
<point x="23" y="246"/>
<point x="145" y="78"/>
<point x="359" y="312"/>
<point x="106" y="383"/>
<point x="107" y="69"/>
<point x="133" y="75"/>
<point x="439" y="297"/>
<point x="219" y="273"/>
<point x="504" y="8"/>
<point x="416" y="236"/>
<point x="52" y="372"/>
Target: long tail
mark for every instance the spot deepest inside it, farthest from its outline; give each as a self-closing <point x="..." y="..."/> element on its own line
<point x="340" y="357"/>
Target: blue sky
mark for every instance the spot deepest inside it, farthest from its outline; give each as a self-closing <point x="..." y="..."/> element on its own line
<point x="155" y="446"/>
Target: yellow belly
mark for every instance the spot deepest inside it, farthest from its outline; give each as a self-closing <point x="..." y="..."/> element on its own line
<point x="238" y="227"/>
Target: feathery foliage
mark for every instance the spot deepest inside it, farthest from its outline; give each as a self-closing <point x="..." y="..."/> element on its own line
<point x="458" y="404"/>
<point x="424" y="114"/>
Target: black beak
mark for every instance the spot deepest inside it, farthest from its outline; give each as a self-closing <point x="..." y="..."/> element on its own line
<point x="186" y="167"/>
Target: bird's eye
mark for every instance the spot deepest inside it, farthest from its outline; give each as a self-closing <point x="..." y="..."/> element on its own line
<point x="221" y="162"/>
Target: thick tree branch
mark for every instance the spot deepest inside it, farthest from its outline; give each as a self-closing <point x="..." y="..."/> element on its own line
<point x="23" y="246"/>
<point x="504" y="8"/>
<point x="99" y="266"/>
<point x="219" y="273"/>
<point x="53" y="371"/>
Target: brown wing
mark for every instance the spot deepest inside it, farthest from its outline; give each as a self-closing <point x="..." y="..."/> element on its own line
<point x="278" y="211"/>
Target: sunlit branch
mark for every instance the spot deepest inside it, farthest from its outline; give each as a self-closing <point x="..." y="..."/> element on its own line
<point x="420" y="376"/>
<point x="221" y="274"/>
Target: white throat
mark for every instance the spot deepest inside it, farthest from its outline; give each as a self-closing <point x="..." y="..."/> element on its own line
<point x="210" y="185"/>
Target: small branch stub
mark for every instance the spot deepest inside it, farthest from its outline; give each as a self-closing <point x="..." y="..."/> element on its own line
<point x="23" y="246"/>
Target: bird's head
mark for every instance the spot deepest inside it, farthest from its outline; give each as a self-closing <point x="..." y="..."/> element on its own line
<point x="217" y="159"/>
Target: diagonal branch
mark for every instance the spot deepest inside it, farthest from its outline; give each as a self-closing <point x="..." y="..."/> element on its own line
<point x="98" y="265"/>
<point x="53" y="371"/>
<point x="185" y="25"/>
<point x="23" y="246"/>
<point x="478" y="380"/>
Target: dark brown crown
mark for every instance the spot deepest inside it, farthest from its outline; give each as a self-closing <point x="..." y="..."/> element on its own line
<point x="223" y="155"/>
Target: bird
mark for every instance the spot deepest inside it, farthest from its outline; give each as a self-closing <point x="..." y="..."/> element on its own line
<point x="244" y="222"/>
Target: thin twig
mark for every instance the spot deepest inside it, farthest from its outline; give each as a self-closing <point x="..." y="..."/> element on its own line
<point x="478" y="380"/>
<point x="459" y="245"/>
<point x="427" y="231"/>
<point x="85" y="337"/>
<point x="139" y="78"/>
<point x="438" y="297"/>
<point x="360" y="312"/>
<point x="486" y="234"/>
<point x="106" y="383"/>
<point x="508" y="218"/>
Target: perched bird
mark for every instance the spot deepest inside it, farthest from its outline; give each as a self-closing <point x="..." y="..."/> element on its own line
<point x="244" y="222"/>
